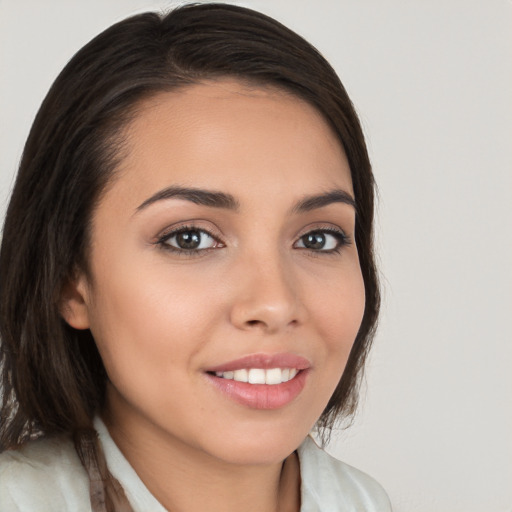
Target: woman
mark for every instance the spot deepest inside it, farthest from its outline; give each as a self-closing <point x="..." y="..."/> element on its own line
<point x="187" y="272"/>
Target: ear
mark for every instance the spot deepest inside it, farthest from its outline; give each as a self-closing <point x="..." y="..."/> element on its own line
<point x="74" y="302"/>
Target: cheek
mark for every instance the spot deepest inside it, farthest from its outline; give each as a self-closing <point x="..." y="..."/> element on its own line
<point x="339" y="309"/>
<point x="338" y="312"/>
<point x="146" y="322"/>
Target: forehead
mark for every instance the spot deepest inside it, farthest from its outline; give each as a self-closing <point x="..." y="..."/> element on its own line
<point x="225" y="134"/>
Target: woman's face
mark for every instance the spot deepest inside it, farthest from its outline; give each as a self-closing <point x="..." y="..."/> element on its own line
<point x="224" y="251"/>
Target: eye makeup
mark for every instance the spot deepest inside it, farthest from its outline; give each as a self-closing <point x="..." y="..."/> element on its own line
<point x="193" y="240"/>
<point x="325" y="240"/>
<point x="189" y="240"/>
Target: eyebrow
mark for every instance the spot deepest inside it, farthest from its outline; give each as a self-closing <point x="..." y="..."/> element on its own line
<point x="214" y="199"/>
<point x="314" y="202"/>
<point x="209" y="198"/>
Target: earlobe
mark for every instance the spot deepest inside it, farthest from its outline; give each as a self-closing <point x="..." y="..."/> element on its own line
<point x="74" y="304"/>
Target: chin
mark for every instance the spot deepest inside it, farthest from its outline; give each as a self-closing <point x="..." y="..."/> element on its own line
<point x="269" y="444"/>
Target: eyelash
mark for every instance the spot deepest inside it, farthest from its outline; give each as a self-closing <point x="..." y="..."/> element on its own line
<point x="163" y="241"/>
<point x="343" y="240"/>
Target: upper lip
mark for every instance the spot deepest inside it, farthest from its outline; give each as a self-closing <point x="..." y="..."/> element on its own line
<point x="263" y="361"/>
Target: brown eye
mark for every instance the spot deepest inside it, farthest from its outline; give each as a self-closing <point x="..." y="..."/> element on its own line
<point x="322" y="240"/>
<point x="315" y="240"/>
<point x="190" y="240"/>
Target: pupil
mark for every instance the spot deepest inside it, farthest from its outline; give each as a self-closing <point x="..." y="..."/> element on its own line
<point x="188" y="239"/>
<point x="314" y="240"/>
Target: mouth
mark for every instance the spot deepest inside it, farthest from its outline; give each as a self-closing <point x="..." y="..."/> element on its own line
<point x="261" y="381"/>
<point x="271" y="376"/>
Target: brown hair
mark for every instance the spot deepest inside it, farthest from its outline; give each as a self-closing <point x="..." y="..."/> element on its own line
<point x="53" y="379"/>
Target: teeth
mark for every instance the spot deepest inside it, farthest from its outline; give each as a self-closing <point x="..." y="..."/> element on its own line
<point x="271" y="376"/>
<point x="240" y="375"/>
<point x="274" y="376"/>
<point x="256" y="376"/>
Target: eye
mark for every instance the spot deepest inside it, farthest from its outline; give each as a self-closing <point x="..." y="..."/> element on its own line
<point x="325" y="240"/>
<point x="189" y="240"/>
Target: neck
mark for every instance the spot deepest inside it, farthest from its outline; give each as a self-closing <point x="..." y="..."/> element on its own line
<point x="187" y="479"/>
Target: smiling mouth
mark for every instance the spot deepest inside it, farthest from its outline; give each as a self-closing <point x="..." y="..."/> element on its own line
<point x="261" y="381"/>
<point x="270" y="376"/>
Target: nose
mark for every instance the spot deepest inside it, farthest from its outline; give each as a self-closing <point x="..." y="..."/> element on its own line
<point x="268" y="297"/>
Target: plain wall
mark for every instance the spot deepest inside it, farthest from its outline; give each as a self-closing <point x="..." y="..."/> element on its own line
<point x="432" y="81"/>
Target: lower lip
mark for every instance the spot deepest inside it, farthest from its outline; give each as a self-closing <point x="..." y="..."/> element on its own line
<point x="261" y="396"/>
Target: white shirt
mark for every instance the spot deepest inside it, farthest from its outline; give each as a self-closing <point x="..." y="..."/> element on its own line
<point x="46" y="476"/>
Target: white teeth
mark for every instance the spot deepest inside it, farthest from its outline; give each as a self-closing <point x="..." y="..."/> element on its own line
<point x="271" y="376"/>
<point x="256" y="376"/>
<point x="239" y="375"/>
<point x="274" y="376"/>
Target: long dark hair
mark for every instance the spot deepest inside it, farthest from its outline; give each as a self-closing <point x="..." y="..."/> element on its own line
<point x="53" y="379"/>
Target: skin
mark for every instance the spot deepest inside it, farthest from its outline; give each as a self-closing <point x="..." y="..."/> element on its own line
<point x="160" y="318"/>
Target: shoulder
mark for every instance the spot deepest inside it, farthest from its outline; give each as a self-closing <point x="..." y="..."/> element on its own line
<point x="331" y="485"/>
<point x="42" y="476"/>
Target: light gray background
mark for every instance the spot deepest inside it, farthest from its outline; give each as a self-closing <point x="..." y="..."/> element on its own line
<point x="432" y="81"/>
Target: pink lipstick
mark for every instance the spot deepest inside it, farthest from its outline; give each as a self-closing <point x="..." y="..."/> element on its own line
<point x="261" y="381"/>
